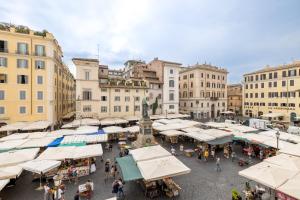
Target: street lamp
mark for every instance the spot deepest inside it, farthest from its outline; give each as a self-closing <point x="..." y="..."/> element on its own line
<point x="277" y="137"/>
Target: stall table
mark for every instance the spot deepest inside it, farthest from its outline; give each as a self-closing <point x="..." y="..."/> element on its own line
<point x="189" y="152"/>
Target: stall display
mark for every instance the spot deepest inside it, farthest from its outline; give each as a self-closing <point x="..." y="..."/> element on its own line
<point x="189" y="152"/>
<point x="172" y="189"/>
<point x="151" y="189"/>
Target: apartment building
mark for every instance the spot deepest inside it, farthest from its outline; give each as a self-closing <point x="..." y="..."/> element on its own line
<point x="141" y="70"/>
<point x="235" y="98"/>
<point x="273" y="92"/>
<point x="168" y="74"/>
<point x="34" y="82"/>
<point x="203" y="91"/>
<point x="99" y="95"/>
<point x="129" y="67"/>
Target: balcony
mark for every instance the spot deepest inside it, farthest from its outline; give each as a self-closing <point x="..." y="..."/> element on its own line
<point x="43" y="54"/>
<point x="214" y="98"/>
<point x="22" y="52"/>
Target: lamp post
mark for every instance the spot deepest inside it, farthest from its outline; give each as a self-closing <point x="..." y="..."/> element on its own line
<point x="277" y="138"/>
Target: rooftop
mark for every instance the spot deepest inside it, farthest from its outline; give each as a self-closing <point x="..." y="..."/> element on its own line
<point x="204" y="67"/>
<point x="165" y="61"/>
<point x="269" y="68"/>
<point x="85" y="59"/>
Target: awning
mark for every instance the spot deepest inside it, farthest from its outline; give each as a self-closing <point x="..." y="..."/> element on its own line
<point x="11" y="144"/>
<point x="3" y="183"/>
<point x="132" y="129"/>
<point x="11" y="158"/>
<point x="220" y="141"/>
<point x="291" y="187"/>
<point x="86" y="130"/>
<point x="37" y="125"/>
<point x="170" y="133"/>
<point x="227" y="112"/>
<point x="199" y="136"/>
<point x="272" y="115"/>
<point x="10" y="172"/>
<point x="147" y="153"/>
<point x="160" y="168"/>
<point x="113" y="129"/>
<point x="14" y="126"/>
<point x="129" y="168"/>
<point x="40" y="166"/>
<point x="15" y="136"/>
<point x="39" y="142"/>
<point x="56" y="142"/>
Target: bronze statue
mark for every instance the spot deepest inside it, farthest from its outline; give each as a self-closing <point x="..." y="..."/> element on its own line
<point x="145" y="108"/>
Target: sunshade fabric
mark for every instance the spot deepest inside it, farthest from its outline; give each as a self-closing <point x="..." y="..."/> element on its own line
<point x="14" y="126"/>
<point x="39" y="142"/>
<point x="56" y="142"/>
<point x="129" y="169"/>
<point x="132" y="129"/>
<point x="220" y="141"/>
<point x="199" y="136"/>
<point x="86" y="130"/>
<point x="40" y="166"/>
<point x="38" y="125"/>
<point x="15" y="136"/>
<point x="113" y="129"/>
<point x="84" y="138"/>
<point x="3" y="183"/>
<point x="17" y="156"/>
<point x="11" y="144"/>
<point x="171" y="133"/>
<point x="147" y="153"/>
<point x="10" y="172"/>
<point x="291" y="187"/>
<point x="159" y="168"/>
<point x="268" y="174"/>
<point x="71" y="152"/>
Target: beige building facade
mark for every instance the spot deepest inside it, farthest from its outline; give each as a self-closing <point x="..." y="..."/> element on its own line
<point x="100" y="96"/>
<point x="235" y="98"/>
<point x="34" y="82"/>
<point x="203" y="91"/>
<point x="273" y="90"/>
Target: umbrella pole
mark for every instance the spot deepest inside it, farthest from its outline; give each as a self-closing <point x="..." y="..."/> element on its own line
<point x="40" y="187"/>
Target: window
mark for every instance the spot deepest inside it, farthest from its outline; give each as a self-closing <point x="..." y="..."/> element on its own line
<point x="275" y="74"/>
<point x="40" y="109"/>
<point x="275" y="84"/>
<point x="171" y="83"/>
<point x="171" y="96"/>
<point x="3" y="78"/>
<point x="127" y="108"/>
<point x="171" y="71"/>
<point x="292" y="82"/>
<point x="117" y="98"/>
<point x="270" y="75"/>
<point x="171" y="106"/>
<point x="126" y="90"/>
<point x="3" y="46"/>
<point x="136" y="98"/>
<point x="22" y="95"/>
<point x="22" y="48"/>
<point x="262" y="95"/>
<point x="87" y="75"/>
<point x="39" y="79"/>
<point x="191" y="75"/>
<point x="283" y="83"/>
<point x="39" y="50"/>
<point x="103" y="98"/>
<point x="127" y="98"/>
<point x="3" y="62"/>
<point x="39" y="64"/>
<point x="2" y="110"/>
<point x="2" y="94"/>
<point x="284" y="74"/>
<point x="136" y="108"/>
<point x="22" y="63"/>
<point x="270" y="84"/>
<point x="262" y="85"/>
<point x="117" y="108"/>
<point x="103" y="89"/>
<point x="256" y="85"/>
<point x="40" y="95"/>
<point x="22" y="110"/>
<point x="87" y="95"/>
<point x="22" y="79"/>
<point x="103" y="109"/>
<point x="87" y="108"/>
<point x="117" y="90"/>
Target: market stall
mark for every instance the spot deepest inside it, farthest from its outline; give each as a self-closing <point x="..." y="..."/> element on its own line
<point x="172" y="135"/>
<point x="13" y="127"/>
<point x="115" y="132"/>
<point x="290" y="189"/>
<point x="15" y="136"/>
<point x="37" y="125"/>
<point x="129" y="169"/>
<point x="82" y="122"/>
<point x="39" y="142"/>
<point x="11" y="144"/>
<point x="81" y="130"/>
<point x="10" y="172"/>
<point x="132" y="132"/>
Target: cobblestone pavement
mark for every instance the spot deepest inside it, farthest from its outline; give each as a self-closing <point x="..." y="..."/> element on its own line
<point x="203" y="183"/>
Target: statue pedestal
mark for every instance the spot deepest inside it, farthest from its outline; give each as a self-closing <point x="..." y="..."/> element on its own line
<point x="145" y="138"/>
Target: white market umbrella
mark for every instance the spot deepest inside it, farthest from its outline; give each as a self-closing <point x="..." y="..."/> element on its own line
<point x="10" y="172"/>
<point x="3" y="183"/>
<point x="11" y="158"/>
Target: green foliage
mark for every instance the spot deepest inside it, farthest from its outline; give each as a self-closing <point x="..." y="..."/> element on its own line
<point x="39" y="33"/>
<point x="235" y="194"/>
<point x="22" y="29"/>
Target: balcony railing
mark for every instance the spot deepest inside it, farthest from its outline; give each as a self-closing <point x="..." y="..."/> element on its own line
<point x="40" y="54"/>
<point x="22" y="52"/>
<point x="214" y="98"/>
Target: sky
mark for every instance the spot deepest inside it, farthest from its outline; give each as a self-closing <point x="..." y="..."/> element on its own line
<point x="239" y="35"/>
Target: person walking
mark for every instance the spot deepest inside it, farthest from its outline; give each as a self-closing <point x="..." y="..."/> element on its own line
<point x="113" y="171"/>
<point x="206" y="154"/>
<point x="218" y="167"/>
<point x="181" y="148"/>
<point x="76" y="196"/>
<point x="120" y="188"/>
<point x="233" y="156"/>
<point x="47" y="192"/>
<point x="107" y="169"/>
<point x="200" y="154"/>
<point x="115" y="187"/>
<point x="212" y="153"/>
